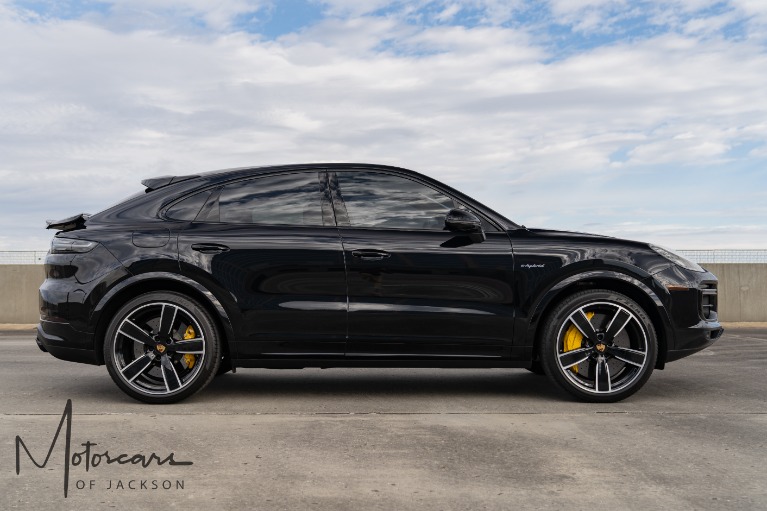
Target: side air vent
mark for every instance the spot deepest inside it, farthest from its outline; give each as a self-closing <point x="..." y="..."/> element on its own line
<point x="708" y="301"/>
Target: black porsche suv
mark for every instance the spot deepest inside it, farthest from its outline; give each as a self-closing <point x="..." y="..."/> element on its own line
<point x="357" y="265"/>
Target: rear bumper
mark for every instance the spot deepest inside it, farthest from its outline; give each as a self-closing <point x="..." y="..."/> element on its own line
<point x="64" y="342"/>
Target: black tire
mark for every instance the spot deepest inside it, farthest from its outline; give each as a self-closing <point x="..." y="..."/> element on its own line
<point x="599" y="345"/>
<point x="161" y="347"/>
<point x="225" y="366"/>
<point x="536" y="368"/>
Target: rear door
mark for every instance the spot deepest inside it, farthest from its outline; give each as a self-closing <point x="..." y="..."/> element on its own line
<point x="415" y="289"/>
<point x="271" y="247"/>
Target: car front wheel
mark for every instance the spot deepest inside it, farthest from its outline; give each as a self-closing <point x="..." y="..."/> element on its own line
<point x="599" y="345"/>
<point x="162" y="347"/>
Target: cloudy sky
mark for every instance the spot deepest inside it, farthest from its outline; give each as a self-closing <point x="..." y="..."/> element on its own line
<point x="639" y="119"/>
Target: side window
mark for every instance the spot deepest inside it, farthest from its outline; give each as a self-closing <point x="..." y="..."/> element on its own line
<point x="392" y="202"/>
<point x="285" y="199"/>
<point x="188" y="208"/>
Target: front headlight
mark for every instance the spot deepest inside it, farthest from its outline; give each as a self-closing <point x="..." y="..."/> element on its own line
<point x="71" y="246"/>
<point x="677" y="259"/>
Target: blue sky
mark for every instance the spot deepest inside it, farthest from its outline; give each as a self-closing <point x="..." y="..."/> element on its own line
<point x="638" y="119"/>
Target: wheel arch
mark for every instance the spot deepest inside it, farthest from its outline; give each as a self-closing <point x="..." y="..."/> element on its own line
<point x="612" y="281"/>
<point x="157" y="281"/>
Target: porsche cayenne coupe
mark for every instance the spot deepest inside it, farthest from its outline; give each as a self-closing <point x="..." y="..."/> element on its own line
<point x="356" y="265"/>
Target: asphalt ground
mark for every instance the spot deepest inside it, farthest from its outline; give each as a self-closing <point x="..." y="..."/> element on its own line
<point x="695" y="437"/>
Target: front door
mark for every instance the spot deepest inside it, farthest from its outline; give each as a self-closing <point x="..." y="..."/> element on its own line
<point x="417" y="290"/>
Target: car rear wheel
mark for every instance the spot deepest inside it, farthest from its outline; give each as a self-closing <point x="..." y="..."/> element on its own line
<point x="599" y="345"/>
<point x="162" y="347"/>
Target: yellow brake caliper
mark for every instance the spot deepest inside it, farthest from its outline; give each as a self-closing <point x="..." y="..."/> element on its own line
<point x="574" y="339"/>
<point x="188" y="358"/>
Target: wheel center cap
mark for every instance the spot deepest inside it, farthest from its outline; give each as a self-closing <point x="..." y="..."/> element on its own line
<point x="601" y="347"/>
<point x="161" y="348"/>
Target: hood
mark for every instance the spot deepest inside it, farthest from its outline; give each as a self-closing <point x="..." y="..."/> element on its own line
<point x="566" y="234"/>
<point x="573" y="235"/>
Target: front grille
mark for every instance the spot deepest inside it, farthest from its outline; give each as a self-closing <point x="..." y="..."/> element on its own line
<point x="708" y="301"/>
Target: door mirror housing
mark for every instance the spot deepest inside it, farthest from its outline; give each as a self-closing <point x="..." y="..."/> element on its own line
<point x="466" y="222"/>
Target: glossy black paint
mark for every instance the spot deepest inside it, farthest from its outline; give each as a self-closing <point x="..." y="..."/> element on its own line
<point x="462" y="306"/>
<point x="336" y="295"/>
<point x="286" y="285"/>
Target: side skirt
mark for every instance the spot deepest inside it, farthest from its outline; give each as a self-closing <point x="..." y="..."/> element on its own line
<point x="297" y="363"/>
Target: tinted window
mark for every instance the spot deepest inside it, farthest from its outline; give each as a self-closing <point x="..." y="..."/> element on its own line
<point x="286" y="199"/>
<point x="393" y="202"/>
<point x="188" y="208"/>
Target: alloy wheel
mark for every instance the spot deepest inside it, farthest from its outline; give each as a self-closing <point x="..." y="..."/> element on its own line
<point x="602" y="348"/>
<point x="159" y="348"/>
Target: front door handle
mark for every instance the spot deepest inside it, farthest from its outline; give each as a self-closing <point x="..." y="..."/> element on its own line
<point x="371" y="255"/>
<point x="210" y="248"/>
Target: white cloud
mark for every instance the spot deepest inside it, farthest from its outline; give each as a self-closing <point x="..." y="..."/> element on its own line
<point x="354" y="8"/>
<point x="163" y="14"/>
<point x="752" y="7"/>
<point x="686" y="237"/>
<point x="689" y="16"/>
<point x="492" y="11"/>
<point x="86" y="110"/>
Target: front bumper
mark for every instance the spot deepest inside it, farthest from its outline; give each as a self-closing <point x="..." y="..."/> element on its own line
<point x="691" y="303"/>
<point x="64" y="342"/>
<point x="693" y="339"/>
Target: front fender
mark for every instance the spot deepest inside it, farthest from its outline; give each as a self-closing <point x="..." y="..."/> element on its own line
<point x="641" y="288"/>
<point x="549" y="295"/>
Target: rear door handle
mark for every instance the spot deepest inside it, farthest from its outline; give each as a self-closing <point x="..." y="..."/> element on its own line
<point x="210" y="248"/>
<point x="371" y="255"/>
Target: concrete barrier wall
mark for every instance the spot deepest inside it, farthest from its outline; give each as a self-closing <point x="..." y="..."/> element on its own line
<point x="742" y="292"/>
<point x="18" y="292"/>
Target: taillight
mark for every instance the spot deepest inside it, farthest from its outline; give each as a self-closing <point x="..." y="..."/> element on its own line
<point x="71" y="246"/>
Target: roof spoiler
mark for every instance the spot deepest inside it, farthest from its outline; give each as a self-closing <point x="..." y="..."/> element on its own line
<point x="68" y="224"/>
<point x="153" y="183"/>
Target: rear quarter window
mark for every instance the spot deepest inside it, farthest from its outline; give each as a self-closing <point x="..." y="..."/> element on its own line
<point x="187" y="209"/>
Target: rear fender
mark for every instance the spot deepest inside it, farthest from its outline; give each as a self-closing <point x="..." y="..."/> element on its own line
<point x="146" y="282"/>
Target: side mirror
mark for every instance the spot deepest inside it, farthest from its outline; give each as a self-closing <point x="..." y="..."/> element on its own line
<point x="459" y="220"/>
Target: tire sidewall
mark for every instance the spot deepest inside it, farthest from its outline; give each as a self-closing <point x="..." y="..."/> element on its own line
<point x="210" y="362"/>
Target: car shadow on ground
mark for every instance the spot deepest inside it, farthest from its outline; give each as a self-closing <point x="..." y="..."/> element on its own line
<point x="389" y="382"/>
<point x="354" y="385"/>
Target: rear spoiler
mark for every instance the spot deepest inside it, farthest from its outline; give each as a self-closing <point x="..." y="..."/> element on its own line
<point x="153" y="183"/>
<point x="68" y="224"/>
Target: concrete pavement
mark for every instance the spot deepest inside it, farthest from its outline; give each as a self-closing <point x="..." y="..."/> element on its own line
<point x="694" y="438"/>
